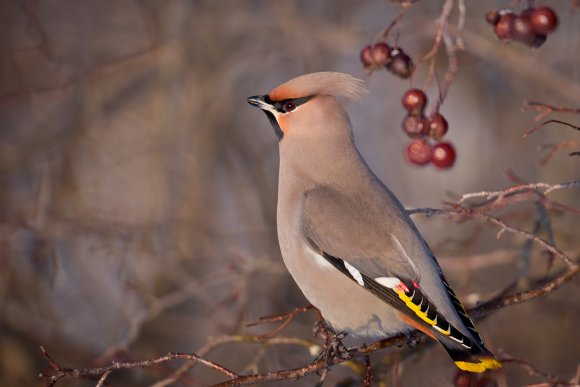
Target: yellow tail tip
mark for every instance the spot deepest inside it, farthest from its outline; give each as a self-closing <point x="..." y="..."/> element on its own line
<point x="483" y="365"/>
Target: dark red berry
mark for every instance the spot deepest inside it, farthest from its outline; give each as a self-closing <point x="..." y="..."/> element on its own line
<point x="414" y="101"/>
<point x="503" y="27"/>
<point x="528" y="12"/>
<point x="400" y="64"/>
<point x="492" y="17"/>
<point x="543" y="20"/>
<point x="522" y="29"/>
<point x="415" y="126"/>
<point x="537" y="40"/>
<point x="381" y="54"/>
<point x="443" y="155"/>
<point x="366" y="56"/>
<point x="419" y="152"/>
<point x="438" y="126"/>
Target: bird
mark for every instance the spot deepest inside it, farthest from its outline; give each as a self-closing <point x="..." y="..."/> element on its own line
<point x="346" y="239"/>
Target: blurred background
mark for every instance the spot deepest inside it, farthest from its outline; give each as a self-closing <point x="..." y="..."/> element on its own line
<point x="138" y="188"/>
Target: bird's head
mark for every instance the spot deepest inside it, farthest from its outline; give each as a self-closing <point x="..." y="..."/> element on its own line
<point x="307" y="104"/>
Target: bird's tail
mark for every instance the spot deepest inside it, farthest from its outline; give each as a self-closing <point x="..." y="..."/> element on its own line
<point x="472" y="360"/>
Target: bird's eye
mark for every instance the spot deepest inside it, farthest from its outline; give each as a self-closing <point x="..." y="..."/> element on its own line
<point x="288" y="106"/>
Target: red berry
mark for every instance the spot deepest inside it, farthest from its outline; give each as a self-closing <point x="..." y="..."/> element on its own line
<point x="543" y="20"/>
<point x="522" y="29"/>
<point x="419" y="152"/>
<point x="415" y="126"/>
<point x="528" y="12"/>
<point x="366" y="56"/>
<point x="492" y="17"/>
<point x="381" y="54"/>
<point x="537" y="40"/>
<point x="443" y="155"/>
<point x="503" y="27"/>
<point x="414" y="101"/>
<point x="400" y="64"/>
<point x="438" y="126"/>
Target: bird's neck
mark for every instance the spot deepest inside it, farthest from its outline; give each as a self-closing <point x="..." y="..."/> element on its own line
<point x="337" y="164"/>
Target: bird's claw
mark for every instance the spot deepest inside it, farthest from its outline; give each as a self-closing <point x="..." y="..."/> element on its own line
<point x="413" y="339"/>
<point x="333" y="346"/>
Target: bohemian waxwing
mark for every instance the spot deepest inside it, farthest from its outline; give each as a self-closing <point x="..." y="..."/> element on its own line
<point x="346" y="239"/>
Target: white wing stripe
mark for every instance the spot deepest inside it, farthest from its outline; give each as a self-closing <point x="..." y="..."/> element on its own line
<point x="354" y="272"/>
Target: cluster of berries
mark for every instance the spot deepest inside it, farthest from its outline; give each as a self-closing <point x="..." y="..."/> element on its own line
<point x="421" y="128"/>
<point x="531" y="27"/>
<point x="393" y="59"/>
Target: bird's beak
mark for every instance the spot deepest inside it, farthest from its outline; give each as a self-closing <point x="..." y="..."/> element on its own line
<point x="259" y="101"/>
<point x="263" y="102"/>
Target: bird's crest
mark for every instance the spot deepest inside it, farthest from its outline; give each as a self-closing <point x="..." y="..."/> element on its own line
<point x="331" y="83"/>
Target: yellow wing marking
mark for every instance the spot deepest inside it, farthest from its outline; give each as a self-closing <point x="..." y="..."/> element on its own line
<point x="447" y="332"/>
<point x="483" y="365"/>
<point x="415" y="308"/>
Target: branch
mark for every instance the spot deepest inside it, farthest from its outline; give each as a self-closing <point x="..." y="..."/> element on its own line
<point x="517" y="298"/>
<point x="103" y="372"/>
<point x="236" y="379"/>
<point x="498" y="195"/>
<point x="555" y="148"/>
<point x="545" y="110"/>
<point x="287" y="317"/>
<point x="533" y="371"/>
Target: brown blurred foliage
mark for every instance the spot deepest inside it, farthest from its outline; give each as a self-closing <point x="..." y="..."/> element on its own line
<point x="138" y="189"/>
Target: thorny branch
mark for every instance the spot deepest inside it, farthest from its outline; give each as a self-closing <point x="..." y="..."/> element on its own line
<point x="498" y="199"/>
<point x="555" y="148"/>
<point x="452" y="45"/>
<point x="103" y="372"/>
<point x="235" y="379"/>
<point x="533" y="371"/>
<point x="492" y="200"/>
<point x="545" y="110"/>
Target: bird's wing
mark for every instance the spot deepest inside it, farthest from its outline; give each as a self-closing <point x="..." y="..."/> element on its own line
<point x="355" y="231"/>
<point x="358" y="237"/>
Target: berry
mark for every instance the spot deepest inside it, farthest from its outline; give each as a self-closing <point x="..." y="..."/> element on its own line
<point x="521" y="29"/>
<point x="366" y="56"/>
<point x="503" y="27"/>
<point x="414" y="101"/>
<point x="543" y="20"/>
<point x="492" y="17"/>
<point x="438" y="126"/>
<point x="537" y="40"/>
<point x="528" y="12"/>
<point x="400" y="64"/>
<point x="443" y="155"/>
<point x="381" y="54"/>
<point x="419" y="152"/>
<point x="415" y="126"/>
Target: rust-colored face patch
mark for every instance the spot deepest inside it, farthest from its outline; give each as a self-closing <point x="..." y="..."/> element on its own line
<point x="281" y="93"/>
<point x="283" y="123"/>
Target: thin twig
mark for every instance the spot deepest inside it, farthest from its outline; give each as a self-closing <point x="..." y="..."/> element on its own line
<point x="100" y="371"/>
<point x="555" y="148"/>
<point x="287" y="317"/>
<point x="532" y="371"/>
<point x="538" y="126"/>
<point x="498" y="195"/>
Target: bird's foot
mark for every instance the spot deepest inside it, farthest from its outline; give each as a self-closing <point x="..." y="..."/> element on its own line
<point x="413" y="339"/>
<point x="333" y="346"/>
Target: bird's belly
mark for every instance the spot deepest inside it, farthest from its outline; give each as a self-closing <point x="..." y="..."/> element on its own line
<point x="345" y="304"/>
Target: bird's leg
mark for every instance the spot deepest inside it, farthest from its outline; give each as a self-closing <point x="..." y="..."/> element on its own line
<point x="333" y="346"/>
<point x="413" y="339"/>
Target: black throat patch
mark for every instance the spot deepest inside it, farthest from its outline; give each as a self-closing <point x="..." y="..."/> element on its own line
<point x="274" y="123"/>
